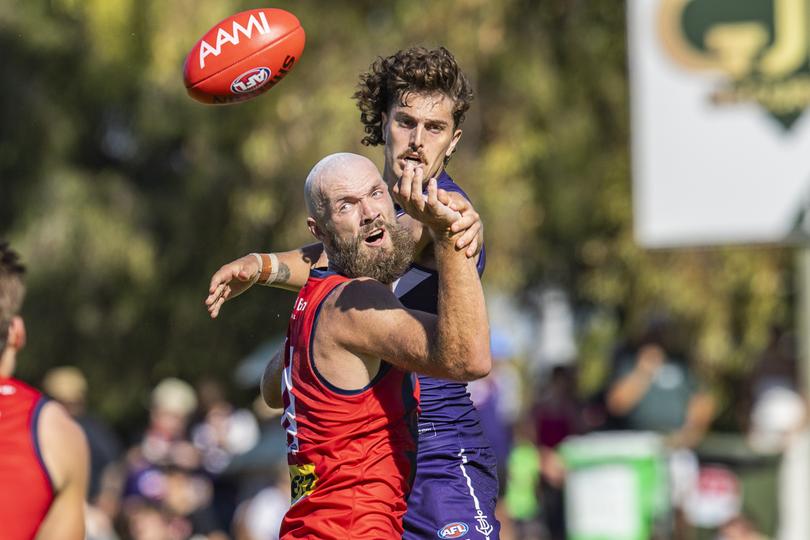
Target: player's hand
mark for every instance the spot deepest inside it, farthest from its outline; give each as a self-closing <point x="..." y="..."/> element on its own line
<point x="230" y="281"/>
<point x="432" y="209"/>
<point x="408" y="191"/>
<point x="470" y="223"/>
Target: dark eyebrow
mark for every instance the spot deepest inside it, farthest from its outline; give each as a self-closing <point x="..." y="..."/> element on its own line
<point x="401" y="115"/>
<point x="437" y="123"/>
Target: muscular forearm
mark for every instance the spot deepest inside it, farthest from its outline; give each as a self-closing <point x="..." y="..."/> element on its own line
<point x="294" y="266"/>
<point x="462" y="326"/>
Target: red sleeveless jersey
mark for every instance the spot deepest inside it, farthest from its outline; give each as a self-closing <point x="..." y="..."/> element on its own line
<point x="351" y="452"/>
<point x="26" y="492"/>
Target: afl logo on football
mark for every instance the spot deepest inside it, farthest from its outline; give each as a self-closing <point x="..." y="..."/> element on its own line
<point x="250" y="81"/>
<point x="457" y="529"/>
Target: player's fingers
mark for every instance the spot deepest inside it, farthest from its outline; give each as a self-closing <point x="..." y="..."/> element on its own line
<point x="432" y="193"/>
<point x="214" y="311"/>
<point x="417" y="199"/>
<point x="215" y="293"/>
<point x="466" y="221"/>
<point x="444" y="197"/>
<point x="216" y="280"/>
<point x="472" y="249"/>
<point x="459" y="205"/>
<point x="405" y="182"/>
<point x="469" y="216"/>
<point x="468" y="236"/>
<point x="224" y="275"/>
<point x="226" y="293"/>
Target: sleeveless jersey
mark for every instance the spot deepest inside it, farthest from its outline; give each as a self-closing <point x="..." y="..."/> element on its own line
<point x="26" y="491"/>
<point x="351" y="452"/>
<point x="447" y="416"/>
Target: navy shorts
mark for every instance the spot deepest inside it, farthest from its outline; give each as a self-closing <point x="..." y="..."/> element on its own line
<point x="454" y="495"/>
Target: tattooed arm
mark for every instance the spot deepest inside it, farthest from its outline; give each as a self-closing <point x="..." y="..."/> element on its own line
<point x="288" y="270"/>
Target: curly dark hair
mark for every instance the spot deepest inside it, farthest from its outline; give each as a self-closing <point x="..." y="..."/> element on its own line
<point x="12" y="288"/>
<point x="410" y="70"/>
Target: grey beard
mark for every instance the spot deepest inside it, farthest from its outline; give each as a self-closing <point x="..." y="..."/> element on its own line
<point x="383" y="265"/>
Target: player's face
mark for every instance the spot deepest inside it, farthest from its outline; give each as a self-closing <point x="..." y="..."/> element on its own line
<point x="359" y="208"/>
<point x="420" y="131"/>
<point x="362" y="233"/>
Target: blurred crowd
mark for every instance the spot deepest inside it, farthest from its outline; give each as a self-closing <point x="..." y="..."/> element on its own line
<point x="723" y="440"/>
<point x="203" y="468"/>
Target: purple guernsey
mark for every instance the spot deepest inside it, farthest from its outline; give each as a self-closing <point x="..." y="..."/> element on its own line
<point x="454" y="462"/>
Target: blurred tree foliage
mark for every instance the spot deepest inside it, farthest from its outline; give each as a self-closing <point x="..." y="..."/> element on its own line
<point x="124" y="195"/>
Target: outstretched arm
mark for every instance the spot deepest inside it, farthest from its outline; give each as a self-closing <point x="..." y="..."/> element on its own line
<point x="288" y="270"/>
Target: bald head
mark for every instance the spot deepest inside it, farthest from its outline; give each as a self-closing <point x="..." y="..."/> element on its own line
<point x="331" y="172"/>
<point x="352" y="214"/>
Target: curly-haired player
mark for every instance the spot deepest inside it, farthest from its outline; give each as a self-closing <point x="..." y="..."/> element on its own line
<point x="44" y="458"/>
<point x="412" y="102"/>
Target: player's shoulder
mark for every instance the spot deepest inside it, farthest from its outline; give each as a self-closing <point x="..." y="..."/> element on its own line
<point x="446" y="182"/>
<point x="353" y="306"/>
<point x="63" y="443"/>
<point x="360" y="294"/>
<point x="61" y="428"/>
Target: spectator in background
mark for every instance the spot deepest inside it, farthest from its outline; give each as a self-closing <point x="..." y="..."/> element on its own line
<point x="523" y="485"/>
<point x="655" y="389"/>
<point x="259" y="518"/>
<point x="43" y="452"/>
<point x="557" y="414"/>
<point x="166" y="437"/>
<point x="778" y="411"/>
<point x="68" y="386"/>
<point x="166" y="496"/>
<point x="223" y="433"/>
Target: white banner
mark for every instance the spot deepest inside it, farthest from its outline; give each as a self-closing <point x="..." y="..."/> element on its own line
<point x="721" y="132"/>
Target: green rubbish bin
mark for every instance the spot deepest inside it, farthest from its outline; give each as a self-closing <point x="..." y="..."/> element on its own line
<point x="616" y="487"/>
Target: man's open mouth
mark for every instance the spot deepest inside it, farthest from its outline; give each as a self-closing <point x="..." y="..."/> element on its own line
<point x="375" y="238"/>
<point x="413" y="158"/>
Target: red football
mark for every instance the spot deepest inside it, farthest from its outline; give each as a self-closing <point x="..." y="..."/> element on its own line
<point x="243" y="56"/>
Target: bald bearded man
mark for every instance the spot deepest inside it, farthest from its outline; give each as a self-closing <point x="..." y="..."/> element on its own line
<point x="347" y="387"/>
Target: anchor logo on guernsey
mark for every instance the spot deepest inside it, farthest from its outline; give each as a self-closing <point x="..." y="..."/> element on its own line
<point x="484" y="526"/>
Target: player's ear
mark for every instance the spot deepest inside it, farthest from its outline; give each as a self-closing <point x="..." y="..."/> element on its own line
<point x="453" y="143"/>
<point x="313" y="227"/>
<point x="16" y="334"/>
